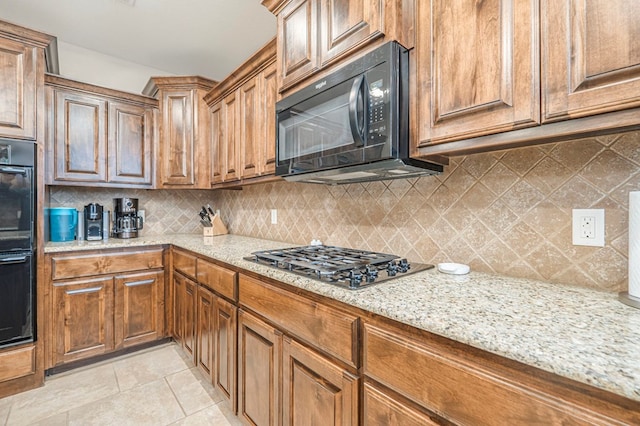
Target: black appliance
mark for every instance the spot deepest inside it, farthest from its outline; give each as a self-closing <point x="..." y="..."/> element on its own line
<point x="93" y="222"/>
<point x="351" y="126"/>
<point x="17" y="257"/>
<point x="349" y="268"/>
<point x="127" y="221"/>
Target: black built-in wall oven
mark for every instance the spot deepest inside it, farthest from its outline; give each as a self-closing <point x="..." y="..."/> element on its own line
<point x="17" y="255"/>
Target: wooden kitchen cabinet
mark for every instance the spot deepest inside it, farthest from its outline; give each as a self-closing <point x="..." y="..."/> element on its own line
<point x="316" y="34"/>
<point x="98" y="136"/>
<point x="315" y="390"/>
<point x="380" y="408"/>
<point x="184" y="313"/>
<point x="242" y="118"/>
<point x="477" y="68"/>
<point x="183" y="151"/>
<point x="83" y="319"/>
<point x="205" y="331"/>
<point x="22" y="67"/>
<point x="139" y="308"/>
<point x="259" y="364"/>
<point x="590" y="57"/>
<point x="101" y="301"/>
<point x="460" y="385"/>
<point x="225" y="342"/>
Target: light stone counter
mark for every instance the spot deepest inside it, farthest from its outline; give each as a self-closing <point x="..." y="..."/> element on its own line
<point x="582" y="334"/>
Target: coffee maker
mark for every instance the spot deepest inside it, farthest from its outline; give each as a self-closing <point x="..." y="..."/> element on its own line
<point x="126" y="223"/>
<point x="93" y="222"/>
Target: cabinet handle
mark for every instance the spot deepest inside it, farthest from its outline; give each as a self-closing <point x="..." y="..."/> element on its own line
<point x="142" y="282"/>
<point x="84" y="290"/>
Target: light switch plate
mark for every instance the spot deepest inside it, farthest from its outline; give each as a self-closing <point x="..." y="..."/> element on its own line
<point x="588" y="227"/>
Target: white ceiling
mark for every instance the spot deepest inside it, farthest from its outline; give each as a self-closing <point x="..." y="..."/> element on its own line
<point x="183" y="37"/>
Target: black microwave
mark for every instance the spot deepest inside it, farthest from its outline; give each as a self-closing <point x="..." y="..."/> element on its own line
<point x="351" y="126"/>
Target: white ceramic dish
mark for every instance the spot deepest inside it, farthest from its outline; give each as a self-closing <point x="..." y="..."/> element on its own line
<point x="453" y="268"/>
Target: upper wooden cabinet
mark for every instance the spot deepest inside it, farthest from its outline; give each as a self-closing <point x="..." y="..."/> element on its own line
<point x="183" y="151"/>
<point x="477" y="68"/>
<point x="22" y="67"/>
<point x="97" y="136"/>
<point x="314" y="34"/>
<point x="590" y="57"/>
<point x="242" y="119"/>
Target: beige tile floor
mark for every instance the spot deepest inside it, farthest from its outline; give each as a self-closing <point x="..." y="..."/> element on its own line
<point x="156" y="386"/>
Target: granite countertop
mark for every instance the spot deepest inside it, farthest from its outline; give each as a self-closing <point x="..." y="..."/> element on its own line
<point x="579" y="333"/>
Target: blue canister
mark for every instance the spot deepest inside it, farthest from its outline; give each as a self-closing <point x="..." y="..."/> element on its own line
<point x="62" y="223"/>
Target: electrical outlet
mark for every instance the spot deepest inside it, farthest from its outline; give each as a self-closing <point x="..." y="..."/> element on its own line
<point x="274" y="216"/>
<point x="143" y="215"/>
<point x="588" y="227"/>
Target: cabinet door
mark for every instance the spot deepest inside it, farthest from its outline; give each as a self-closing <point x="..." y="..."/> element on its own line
<point x="189" y="309"/>
<point x="218" y="150"/>
<point x="381" y="409"/>
<point x="231" y="137"/>
<point x="590" y="57"/>
<point x="83" y="319"/>
<point x="79" y="138"/>
<point x="177" y="145"/>
<point x="139" y="308"/>
<point x="178" y="307"/>
<point x="130" y="144"/>
<point x="259" y="358"/>
<point x="477" y="68"/>
<point x="18" y="87"/>
<point x="314" y="390"/>
<point x="225" y="315"/>
<point x="346" y="24"/>
<point x="297" y="41"/>
<point x="250" y="119"/>
<point x="205" y="331"/>
<point x="267" y="141"/>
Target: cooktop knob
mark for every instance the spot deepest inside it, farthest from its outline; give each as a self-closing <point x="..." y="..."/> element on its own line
<point x="371" y="273"/>
<point x="403" y="265"/>
<point x="392" y="268"/>
<point x="355" y="278"/>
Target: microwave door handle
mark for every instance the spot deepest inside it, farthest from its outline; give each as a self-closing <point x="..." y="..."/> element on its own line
<point x="357" y="91"/>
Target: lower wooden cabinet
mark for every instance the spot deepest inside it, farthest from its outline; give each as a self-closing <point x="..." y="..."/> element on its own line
<point x="225" y="343"/>
<point x="205" y="331"/>
<point x="380" y="408"/>
<point x="184" y="313"/>
<point x="315" y="390"/>
<point x="109" y="308"/>
<point x="259" y="361"/>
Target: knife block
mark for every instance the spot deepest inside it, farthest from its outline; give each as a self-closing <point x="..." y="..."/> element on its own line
<point x="217" y="228"/>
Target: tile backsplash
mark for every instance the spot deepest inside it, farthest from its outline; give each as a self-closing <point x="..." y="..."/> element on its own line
<point x="507" y="212"/>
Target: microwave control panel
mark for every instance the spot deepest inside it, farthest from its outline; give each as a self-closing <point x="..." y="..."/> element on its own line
<point x="378" y="112"/>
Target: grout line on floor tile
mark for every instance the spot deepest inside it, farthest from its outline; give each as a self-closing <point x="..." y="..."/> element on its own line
<point x="173" y="392"/>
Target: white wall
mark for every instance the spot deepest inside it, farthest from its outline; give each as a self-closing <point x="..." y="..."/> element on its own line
<point x="88" y="66"/>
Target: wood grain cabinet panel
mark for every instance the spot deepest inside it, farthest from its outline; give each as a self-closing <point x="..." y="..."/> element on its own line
<point x="326" y="328"/>
<point x="18" y="89"/>
<point x="130" y="144"/>
<point x="314" y="390"/>
<point x="189" y="326"/>
<point x="477" y="68"/>
<point x="184" y="263"/>
<point x="259" y="363"/>
<point x="231" y="137"/>
<point x="346" y="24"/>
<point x="205" y="330"/>
<point x="83" y="319"/>
<point x="250" y="124"/>
<point x="465" y="389"/>
<point x="79" y="137"/>
<point x="139" y="308"/>
<point x="225" y="322"/>
<point x="217" y="278"/>
<point x="17" y="362"/>
<point x="75" y="265"/>
<point x="177" y="141"/>
<point x="590" y="57"/>
<point x="218" y="150"/>
<point x="379" y="408"/>
<point x="267" y="143"/>
<point x="297" y="41"/>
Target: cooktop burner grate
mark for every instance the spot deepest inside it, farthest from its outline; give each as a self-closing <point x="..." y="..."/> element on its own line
<point x="350" y="268"/>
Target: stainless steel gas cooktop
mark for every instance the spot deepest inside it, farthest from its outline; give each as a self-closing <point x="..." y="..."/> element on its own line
<point x="345" y="267"/>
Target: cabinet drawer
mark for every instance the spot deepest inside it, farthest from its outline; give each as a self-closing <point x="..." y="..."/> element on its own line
<point x="17" y="363"/>
<point x="217" y="278"/>
<point x="184" y="263"/>
<point x="326" y="328"/>
<point x="465" y="390"/>
<point x="78" y="265"/>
